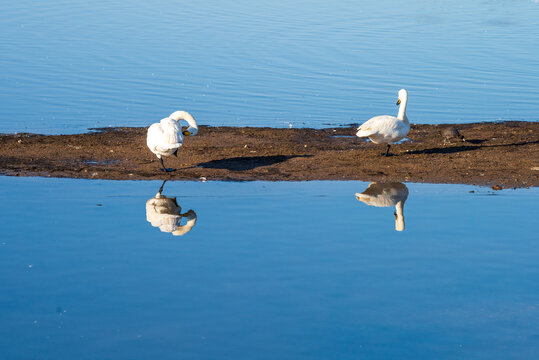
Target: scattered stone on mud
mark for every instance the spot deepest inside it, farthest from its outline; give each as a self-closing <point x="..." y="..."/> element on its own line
<point x="500" y="153"/>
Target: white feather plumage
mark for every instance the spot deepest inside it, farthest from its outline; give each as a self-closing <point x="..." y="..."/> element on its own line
<point x="386" y="129"/>
<point x="386" y="195"/>
<point x="164" y="213"/>
<point x="166" y="137"/>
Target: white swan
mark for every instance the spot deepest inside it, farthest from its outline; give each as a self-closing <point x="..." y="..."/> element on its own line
<point x="385" y="195"/>
<point x="386" y="129"/>
<point x="165" y="137"/>
<point x="164" y="213"/>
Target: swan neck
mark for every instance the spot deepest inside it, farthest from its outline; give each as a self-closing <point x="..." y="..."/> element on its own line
<point x="184" y="229"/>
<point x="402" y="109"/>
<point x="184" y="115"/>
<point x="399" y="217"/>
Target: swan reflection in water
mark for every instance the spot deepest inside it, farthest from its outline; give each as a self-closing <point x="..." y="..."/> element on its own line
<point x="165" y="213"/>
<point x="385" y="195"/>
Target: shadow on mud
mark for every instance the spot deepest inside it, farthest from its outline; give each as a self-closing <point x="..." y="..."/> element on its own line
<point x="457" y="149"/>
<point x="247" y="162"/>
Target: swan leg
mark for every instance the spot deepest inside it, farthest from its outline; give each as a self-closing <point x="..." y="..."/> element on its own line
<point x="162" y="164"/>
<point x="387" y="151"/>
<point x="162" y="185"/>
<point x="163" y="168"/>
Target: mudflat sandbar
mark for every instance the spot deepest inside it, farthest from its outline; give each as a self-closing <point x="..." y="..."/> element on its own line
<point x="504" y="154"/>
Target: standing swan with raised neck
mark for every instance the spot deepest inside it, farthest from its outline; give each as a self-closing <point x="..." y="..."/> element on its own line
<point x="386" y="129"/>
<point x="165" y="137"/>
<point x="386" y="195"/>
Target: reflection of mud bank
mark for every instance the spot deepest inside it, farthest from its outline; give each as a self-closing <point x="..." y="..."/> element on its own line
<point x="494" y="154"/>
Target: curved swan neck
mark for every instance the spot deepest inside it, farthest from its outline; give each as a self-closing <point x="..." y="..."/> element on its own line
<point x="184" y="115"/>
<point x="184" y="229"/>
<point x="191" y="217"/>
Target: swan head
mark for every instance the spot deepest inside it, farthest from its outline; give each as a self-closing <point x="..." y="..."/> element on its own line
<point x="403" y="96"/>
<point x="191" y="131"/>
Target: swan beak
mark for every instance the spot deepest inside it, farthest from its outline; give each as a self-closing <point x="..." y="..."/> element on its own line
<point x="186" y="133"/>
<point x="398" y="101"/>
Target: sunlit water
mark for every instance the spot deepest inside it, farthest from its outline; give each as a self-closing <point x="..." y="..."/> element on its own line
<point x="267" y="271"/>
<point x="69" y="65"/>
<point x="329" y="270"/>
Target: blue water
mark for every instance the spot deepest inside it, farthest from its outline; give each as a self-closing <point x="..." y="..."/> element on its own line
<point x="66" y="66"/>
<point x="102" y="269"/>
<point x="269" y="271"/>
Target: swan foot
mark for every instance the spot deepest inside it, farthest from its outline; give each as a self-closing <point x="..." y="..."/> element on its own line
<point x="167" y="169"/>
<point x="163" y="168"/>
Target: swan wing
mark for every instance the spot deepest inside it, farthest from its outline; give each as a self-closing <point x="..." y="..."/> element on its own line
<point x="376" y="125"/>
<point x="164" y="136"/>
<point x="383" y="194"/>
<point x="163" y="213"/>
<point x="172" y="132"/>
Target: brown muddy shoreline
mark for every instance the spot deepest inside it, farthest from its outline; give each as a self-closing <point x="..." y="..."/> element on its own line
<point x="501" y="153"/>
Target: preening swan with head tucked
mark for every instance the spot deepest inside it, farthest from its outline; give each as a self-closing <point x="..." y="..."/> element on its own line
<point x="164" y="213"/>
<point x="165" y="137"/>
<point x="386" y="129"/>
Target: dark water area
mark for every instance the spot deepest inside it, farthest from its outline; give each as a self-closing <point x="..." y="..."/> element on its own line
<point x="71" y="65"/>
<point x="110" y="269"/>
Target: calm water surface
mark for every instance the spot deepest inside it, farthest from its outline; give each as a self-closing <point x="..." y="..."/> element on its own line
<point x="69" y="65"/>
<point x="90" y="270"/>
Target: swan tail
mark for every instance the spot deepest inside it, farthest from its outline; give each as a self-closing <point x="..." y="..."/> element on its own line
<point x="364" y="132"/>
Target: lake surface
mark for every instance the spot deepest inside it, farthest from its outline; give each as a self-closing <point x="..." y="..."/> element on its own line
<point x="285" y="270"/>
<point x="70" y="65"/>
